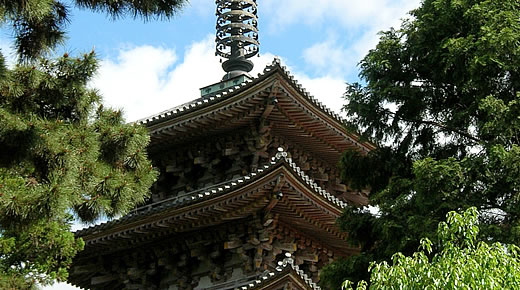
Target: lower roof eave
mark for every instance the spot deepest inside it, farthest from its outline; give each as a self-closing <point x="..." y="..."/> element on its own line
<point x="236" y="200"/>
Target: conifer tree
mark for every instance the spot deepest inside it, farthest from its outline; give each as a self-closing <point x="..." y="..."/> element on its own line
<point x="62" y="154"/>
<point x="441" y="99"/>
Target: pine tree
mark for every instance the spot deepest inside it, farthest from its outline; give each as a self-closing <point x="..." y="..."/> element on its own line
<point x="63" y="155"/>
<point x="441" y="99"/>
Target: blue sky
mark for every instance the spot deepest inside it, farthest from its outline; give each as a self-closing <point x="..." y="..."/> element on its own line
<point x="148" y="67"/>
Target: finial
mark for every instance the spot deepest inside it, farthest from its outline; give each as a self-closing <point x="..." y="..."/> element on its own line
<point x="237" y="35"/>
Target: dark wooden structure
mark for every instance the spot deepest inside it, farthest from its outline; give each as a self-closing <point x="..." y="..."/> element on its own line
<point x="247" y="198"/>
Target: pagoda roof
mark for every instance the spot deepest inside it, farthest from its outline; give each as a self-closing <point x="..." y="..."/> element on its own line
<point x="287" y="272"/>
<point x="275" y="96"/>
<point x="280" y="187"/>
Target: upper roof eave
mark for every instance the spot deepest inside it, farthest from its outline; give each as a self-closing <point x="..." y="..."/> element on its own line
<point x="275" y="68"/>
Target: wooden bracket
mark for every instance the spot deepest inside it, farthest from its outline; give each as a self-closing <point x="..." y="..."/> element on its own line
<point x="275" y="197"/>
<point x="271" y="100"/>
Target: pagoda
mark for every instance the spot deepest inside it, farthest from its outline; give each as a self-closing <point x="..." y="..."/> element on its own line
<point x="248" y="193"/>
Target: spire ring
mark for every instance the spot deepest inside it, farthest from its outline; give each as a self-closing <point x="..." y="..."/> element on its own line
<point x="237" y="33"/>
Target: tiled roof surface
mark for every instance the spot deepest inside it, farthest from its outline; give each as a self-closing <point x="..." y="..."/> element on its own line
<point x="215" y="191"/>
<point x="286" y="264"/>
<point x="207" y="100"/>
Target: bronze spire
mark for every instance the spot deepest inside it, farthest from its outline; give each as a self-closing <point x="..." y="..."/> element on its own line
<point x="237" y="35"/>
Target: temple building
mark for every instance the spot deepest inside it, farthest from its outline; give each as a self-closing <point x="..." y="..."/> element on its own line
<point x="248" y="193"/>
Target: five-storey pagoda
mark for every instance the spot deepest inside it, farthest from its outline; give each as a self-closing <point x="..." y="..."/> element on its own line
<point x="248" y="193"/>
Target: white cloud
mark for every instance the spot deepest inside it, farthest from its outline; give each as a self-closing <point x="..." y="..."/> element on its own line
<point x="331" y="58"/>
<point x="328" y="90"/>
<point x="357" y="21"/>
<point x="137" y="74"/>
<point x="146" y="80"/>
<point x="348" y="13"/>
<point x="143" y="80"/>
<point x="367" y="18"/>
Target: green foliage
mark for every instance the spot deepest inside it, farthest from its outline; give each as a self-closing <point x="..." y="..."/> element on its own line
<point x="461" y="262"/>
<point x="427" y="80"/>
<point x="63" y="153"/>
<point x="145" y="8"/>
<point x="334" y="273"/>
<point x="38" y="25"/>
<point x="40" y="252"/>
<point x="441" y="100"/>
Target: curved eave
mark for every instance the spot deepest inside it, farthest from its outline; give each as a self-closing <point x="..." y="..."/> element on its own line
<point x="288" y="276"/>
<point x="316" y="109"/>
<point x="286" y="273"/>
<point x="280" y="280"/>
<point x="305" y="206"/>
<point x="244" y="103"/>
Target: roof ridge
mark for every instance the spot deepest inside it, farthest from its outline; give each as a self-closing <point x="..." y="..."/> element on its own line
<point x="330" y="197"/>
<point x="275" y="65"/>
<point x="278" y="63"/>
<point x="287" y="263"/>
<point x="220" y="188"/>
<point x="198" y="101"/>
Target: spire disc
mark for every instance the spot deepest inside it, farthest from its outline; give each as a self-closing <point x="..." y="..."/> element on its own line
<point x="237" y="34"/>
